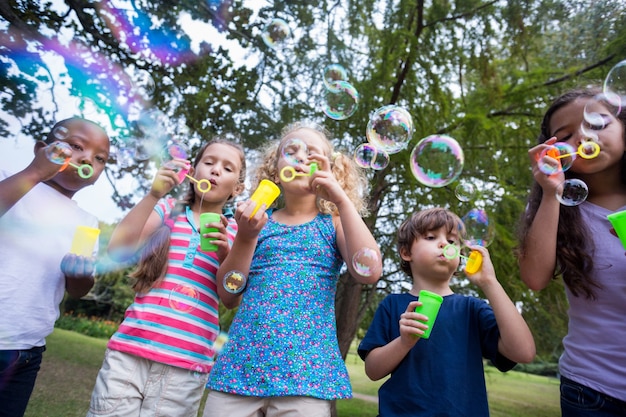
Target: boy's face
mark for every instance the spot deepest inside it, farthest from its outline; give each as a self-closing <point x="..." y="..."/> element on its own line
<point x="426" y="256"/>
<point x="90" y="145"/>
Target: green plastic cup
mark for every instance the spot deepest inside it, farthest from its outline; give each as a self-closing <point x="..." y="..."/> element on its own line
<point x="618" y="221"/>
<point x="206" y="243"/>
<point x="430" y="308"/>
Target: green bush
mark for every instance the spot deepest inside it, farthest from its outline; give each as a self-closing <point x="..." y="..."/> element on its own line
<point x="539" y="368"/>
<point x="89" y="326"/>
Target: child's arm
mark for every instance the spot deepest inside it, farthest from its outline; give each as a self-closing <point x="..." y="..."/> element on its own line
<point x="141" y="221"/>
<point x="352" y="236"/>
<point x="516" y="341"/>
<point x="352" y="232"/>
<point x="538" y="262"/>
<point x="79" y="274"/>
<point x="240" y="256"/>
<point x="381" y="361"/>
<point x="13" y="188"/>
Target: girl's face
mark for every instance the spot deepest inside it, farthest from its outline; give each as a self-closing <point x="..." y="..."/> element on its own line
<point x="301" y="157"/>
<point x="221" y="166"/>
<point x="565" y="125"/>
<point x="426" y="256"/>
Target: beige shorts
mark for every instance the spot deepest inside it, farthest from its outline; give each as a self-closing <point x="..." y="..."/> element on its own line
<point x="129" y="386"/>
<point x="221" y="404"/>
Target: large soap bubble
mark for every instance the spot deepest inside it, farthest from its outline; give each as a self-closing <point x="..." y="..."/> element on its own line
<point x="479" y="230"/>
<point x="390" y="128"/>
<point x="437" y="160"/>
<point x="572" y="192"/>
<point x="615" y="84"/>
<point x="342" y="100"/>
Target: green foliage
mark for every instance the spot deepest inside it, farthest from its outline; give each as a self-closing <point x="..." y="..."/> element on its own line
<point x="89" y="326"/>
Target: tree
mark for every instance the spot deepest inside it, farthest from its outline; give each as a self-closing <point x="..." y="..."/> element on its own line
<point x="481" y="72"/>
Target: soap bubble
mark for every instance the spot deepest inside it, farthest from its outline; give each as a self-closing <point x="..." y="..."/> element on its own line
<point x="465" y="191"/>
<point x="366" y="262"/>
<point x="572" y="192"/>
<point x="60" y="133"/>
<point x="562" y="156"/>
<point x="219" y="343"/>
<point x="199" y="370"/>
<point x="479" y="230"/>
<point x="276" y="33"/>
<point x="57" y="152"/>
<point x="177" y="150"/>
<point x="234" y="282"/>
<point x="294" y="151"/>
<point x="332" y="73"/>
<point x="184" y="298"/>
<point x="437" y="160"/>
<point x="367" y="156"/>
<point x="390" y="128"/>
<point x="342" y="100"/>
<point x="615" y="84"/>
<point x="86" y="106"/>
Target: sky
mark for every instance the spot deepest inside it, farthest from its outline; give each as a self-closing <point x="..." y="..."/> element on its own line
<point x="16" y="152"/>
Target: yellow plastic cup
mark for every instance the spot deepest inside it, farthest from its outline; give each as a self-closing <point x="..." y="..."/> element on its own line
<point x="206" y="242"/>
<point x="266" y="193"/>
<point x="431" y="302"/>
<point x="84" y="242"/>
<point x="618" y="221"/>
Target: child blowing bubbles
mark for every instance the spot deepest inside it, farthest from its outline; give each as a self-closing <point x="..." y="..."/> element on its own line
<point x="168" y="332"/>
<point x="38" y="219"/>
<point x="282" y="355"/>
<point x="576" y="242"/>
<point x="441" y="375"/>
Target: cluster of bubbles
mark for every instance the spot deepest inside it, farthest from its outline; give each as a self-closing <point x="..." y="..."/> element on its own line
<point x="388" y="131"/>
<point x="152" y="137"/>
<point x="341" y="97"/>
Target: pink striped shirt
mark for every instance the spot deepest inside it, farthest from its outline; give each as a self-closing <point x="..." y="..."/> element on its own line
<point x="176" y="322"/>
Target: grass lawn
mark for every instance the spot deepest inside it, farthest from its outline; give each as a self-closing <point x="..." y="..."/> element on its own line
<point x="72" y="361"/>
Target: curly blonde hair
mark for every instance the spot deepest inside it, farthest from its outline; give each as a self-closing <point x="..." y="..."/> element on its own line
<point x="348" y="174"/>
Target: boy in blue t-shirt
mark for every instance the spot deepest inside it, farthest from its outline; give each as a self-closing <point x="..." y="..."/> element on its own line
<point x="442" y="375"/>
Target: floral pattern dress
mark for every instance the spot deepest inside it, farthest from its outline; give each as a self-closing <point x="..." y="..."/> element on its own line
<point x="283" y="339"/>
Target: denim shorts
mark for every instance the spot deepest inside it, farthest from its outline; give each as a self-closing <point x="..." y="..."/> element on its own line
<point x="580" y="401"/>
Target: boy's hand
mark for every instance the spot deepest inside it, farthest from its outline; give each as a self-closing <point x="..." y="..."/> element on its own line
<point x="486" y="274"/>
<point x="411" y="328"/>
<point x="41" y="165"/>
<point x="77" y="267"/>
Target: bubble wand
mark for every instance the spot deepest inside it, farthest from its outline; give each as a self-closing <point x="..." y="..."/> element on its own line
<point x="586" y="150"/>
<point x="54" y="152"/>
<point x="289" y="173"/>
<point x="473" y="262"/>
